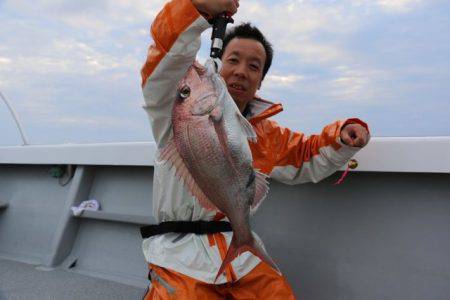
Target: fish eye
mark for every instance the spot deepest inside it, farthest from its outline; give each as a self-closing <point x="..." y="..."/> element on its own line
<point x="185" y="91"/>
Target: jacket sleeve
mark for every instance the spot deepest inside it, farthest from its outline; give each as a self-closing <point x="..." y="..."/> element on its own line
<point x="299" y="159"/>
<point x="176" y="40"/>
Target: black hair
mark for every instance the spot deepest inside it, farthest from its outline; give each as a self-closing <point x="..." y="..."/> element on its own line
<point x="247" y="31"/>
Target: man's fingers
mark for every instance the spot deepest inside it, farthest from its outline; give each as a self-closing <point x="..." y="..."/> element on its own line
<point x="361" y="134"/>
<point x="358" y="137"/>
<point x="345" y="137"/>
<point x="354" y="135"/>
<point x="232" y="7"/>
<point x="212" y="8"/>
<point x="359" y="142"/>
<point x="363" y="139"/>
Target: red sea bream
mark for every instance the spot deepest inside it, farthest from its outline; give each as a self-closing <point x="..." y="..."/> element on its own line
<point x="211" y="154"/>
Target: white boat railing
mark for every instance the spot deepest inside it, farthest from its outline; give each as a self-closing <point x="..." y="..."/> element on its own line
<point x="382" y="154"/>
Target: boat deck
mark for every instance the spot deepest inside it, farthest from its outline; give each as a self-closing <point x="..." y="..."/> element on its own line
<point x="25" y="281"/>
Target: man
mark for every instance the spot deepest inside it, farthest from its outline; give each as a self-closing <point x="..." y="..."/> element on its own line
<point x="184" y="266"/>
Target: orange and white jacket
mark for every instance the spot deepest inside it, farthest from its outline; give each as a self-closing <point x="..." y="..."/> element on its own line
<point x="286" y="156"/>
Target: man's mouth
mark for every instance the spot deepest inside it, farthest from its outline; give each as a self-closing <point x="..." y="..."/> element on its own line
<point x="237" y="87"/>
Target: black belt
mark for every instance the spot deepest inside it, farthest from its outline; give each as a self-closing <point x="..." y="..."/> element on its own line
<point x="197" y="227"/>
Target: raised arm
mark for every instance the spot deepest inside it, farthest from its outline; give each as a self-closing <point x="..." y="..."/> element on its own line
<point x="298" y="159"/>
<point x="176" y="40"/>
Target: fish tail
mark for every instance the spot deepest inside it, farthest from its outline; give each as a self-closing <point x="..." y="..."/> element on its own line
<point x="251" y="245"/>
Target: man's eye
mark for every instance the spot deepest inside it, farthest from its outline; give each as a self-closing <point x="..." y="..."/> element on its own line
<point x="233" y="60"/>
<point x="254" y="67"/>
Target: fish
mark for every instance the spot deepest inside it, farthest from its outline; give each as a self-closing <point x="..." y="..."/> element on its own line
<point x="211" y="154"/>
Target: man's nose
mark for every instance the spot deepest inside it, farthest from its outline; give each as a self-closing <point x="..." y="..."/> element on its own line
<point x="240" y="70"/>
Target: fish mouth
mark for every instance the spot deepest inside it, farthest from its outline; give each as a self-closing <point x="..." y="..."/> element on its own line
<point x="206" y="96"/>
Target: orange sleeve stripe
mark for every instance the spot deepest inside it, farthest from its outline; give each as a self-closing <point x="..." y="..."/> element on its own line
<point x="294" y="155"/>
<point x="173" y="20"/>
<point x="273" y="110"/>
<point x="290" y="148"/>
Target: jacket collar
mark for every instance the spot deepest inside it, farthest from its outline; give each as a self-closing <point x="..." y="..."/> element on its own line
<point x="260" y="109"/>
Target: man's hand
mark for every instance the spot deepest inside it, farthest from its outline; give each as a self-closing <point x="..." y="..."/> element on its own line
<point x="214" y="7"/>
<point x="354" y="135"/>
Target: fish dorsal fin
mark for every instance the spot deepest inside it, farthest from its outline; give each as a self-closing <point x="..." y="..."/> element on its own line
<point x="247" y="128"/>
<point x="169" y="154"/>
<point x="261" y="190"/>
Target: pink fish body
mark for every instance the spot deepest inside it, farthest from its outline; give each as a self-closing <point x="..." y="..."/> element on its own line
<point x="211" y="154"/>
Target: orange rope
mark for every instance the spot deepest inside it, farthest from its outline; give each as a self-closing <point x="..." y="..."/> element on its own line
<point x="219" y="240"/>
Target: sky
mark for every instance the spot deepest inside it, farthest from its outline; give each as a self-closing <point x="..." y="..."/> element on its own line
<point x="71" y="69"/>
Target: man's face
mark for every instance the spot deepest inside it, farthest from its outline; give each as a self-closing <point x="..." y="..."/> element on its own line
<point x="242" y="69"/>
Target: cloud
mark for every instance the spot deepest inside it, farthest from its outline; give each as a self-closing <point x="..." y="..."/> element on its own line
<point x="390" y="6"/>
<point x="98" y="122"/>
<point x="314" y="30"/>
<point x="5" y="61"/>
<point x="308" y="51"/>
<point x="282" y="81"/>
<point x="85" y="14"/>
<point x="297" y="28"/>
<point x="65" y="56"/>
<point x="298" y="17"/>
<point x="39" y="108"/>
<point x="358" y="84"/>
<point x="399" y="6"/>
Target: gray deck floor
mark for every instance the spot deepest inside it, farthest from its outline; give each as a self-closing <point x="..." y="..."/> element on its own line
<point x="22" y="281"/>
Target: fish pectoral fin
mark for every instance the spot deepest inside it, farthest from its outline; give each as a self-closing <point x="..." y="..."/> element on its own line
<point x="216" y="114"/>
<point x="261" y="190"/>
<point x="247" y="128"/>
<point x="170" y="154"/>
